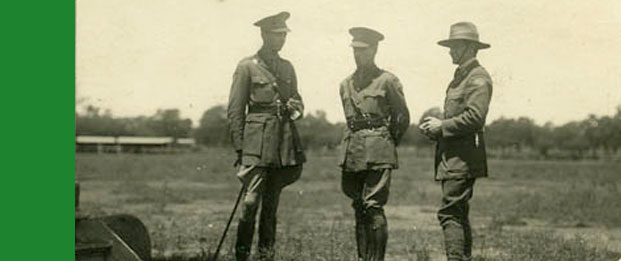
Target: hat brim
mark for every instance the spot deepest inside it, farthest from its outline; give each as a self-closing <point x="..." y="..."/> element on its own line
<point x="452" y="42"/>
<point x="359" y="44"/>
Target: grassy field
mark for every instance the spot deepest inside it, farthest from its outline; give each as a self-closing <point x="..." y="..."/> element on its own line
<point x="526" y="210"/>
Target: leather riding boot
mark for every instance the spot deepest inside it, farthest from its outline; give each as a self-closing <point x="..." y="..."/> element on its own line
<point x="361" y="233"/>
<point x="454" y="240"/>
<point x="245" y="230"/>
<point x="467" y="240"/>
<point x="377" y="234"/>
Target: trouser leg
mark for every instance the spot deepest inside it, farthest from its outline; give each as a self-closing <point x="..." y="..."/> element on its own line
<point x="369" y="191"/>
<point x="250" y="204"/>
<point x="375" y="196"/>
<point x="267" y="222"/>
<point x="352" y="184"/>
<point x="453" y="217"/>
<point x="276" y="180"/>
<point x="467" y="233"/>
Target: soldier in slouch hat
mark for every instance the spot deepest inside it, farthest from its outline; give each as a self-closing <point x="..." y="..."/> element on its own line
<point x="460" y="150"/>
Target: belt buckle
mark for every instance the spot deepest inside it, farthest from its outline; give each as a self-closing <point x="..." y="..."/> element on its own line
<point x="368" y="121"/>
<point x="370" y="125"/>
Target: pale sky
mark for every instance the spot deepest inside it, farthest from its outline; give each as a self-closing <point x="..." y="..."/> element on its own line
<point x="550" y="60"/>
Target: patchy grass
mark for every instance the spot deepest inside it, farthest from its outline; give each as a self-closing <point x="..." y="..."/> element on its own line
<point x="526" y="210"/>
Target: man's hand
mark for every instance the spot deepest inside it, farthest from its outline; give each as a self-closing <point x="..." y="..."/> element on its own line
<point x="238" y="161"/>
<point x="295" y="107"/>
<point x="431" y="126"/>
<point x="243" y="172"/>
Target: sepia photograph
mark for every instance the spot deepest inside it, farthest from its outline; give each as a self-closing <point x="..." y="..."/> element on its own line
<point x="347" y="130"/>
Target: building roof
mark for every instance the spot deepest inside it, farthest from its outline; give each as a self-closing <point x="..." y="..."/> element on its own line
<point x="186" y="141"/>
<point x="144" y="140"/>
<point x="95" y="140"/>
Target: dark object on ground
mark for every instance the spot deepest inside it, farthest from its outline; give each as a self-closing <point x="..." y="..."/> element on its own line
<point x="110" y="238"/>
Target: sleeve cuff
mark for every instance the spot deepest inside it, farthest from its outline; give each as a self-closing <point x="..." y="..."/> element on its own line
<point x="447" y="126"/>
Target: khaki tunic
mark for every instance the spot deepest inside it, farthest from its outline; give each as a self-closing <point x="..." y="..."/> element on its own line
<point x="373" y="148"/>
<point x="460" y="151"/>
<point x="265" y="139"/>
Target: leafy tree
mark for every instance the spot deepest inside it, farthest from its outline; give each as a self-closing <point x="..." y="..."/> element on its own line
<point x="163" y="123"/>
<point x="505" y="133"/>
<point x="500" y="133"/>
<point x="316" y="131"/>
<point x="544" y="139"/>
<point x="571" y="137"/>
<point x="413" y="136"/>
<point x="212" y="129"/>
<point x="169" y="123"/>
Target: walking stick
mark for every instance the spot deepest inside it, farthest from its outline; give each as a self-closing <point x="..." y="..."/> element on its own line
<point x="242" y="172"/>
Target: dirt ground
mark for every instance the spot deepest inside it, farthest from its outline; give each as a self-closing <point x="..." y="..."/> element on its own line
<point x="526" y="210"/>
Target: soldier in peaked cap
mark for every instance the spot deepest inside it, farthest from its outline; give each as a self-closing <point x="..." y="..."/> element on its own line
<point x="460" y="148"/>
<point x="377" y="117"/>
<point x="263" y="104"/>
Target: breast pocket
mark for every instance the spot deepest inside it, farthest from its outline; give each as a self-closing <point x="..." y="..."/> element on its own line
<point x="454" y="104"/>
<point x="262" y="90"/>
<point x="373" y="101"/>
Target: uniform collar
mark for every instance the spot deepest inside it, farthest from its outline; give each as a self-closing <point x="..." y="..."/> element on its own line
<point x="362" y="77"/>
<point x="368" y="71"/>
<point x="462" y="71"/>
<point x="267" y="55"/>
<point x="466" y="63"/>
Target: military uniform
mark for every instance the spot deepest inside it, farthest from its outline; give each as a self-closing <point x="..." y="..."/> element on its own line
<point x="460" y="151"/>
<point x="263" y="103"/>
<point x="377" y="117"/>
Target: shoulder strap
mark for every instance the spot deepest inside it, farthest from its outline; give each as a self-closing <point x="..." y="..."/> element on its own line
<point x="275" y="79"/>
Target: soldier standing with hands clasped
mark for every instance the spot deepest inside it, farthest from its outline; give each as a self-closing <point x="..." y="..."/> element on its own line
<point x="460" y="149"/>
<point x="263" y="103"/>
<point x="377" y="117"/>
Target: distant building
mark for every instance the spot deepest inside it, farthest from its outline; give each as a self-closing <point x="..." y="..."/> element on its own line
<point x="135" y="144"/>
<point x="186" y="142"/>
<point x="97" y="144"/>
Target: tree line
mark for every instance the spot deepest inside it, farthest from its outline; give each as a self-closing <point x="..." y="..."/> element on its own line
<point x="164" y="123"/>
<point x="592" y="137"/>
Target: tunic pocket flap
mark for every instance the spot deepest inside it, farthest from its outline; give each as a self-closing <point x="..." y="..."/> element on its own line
<point x="374" y="93"/>
<point x="255" y="118"/>
<point x="379" y="148"/>
<point x="259" y="79"/>
<point x="253" y="136"/>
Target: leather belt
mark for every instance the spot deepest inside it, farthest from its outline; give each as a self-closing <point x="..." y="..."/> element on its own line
<point x="366" y="123"/>
<point x="263" y="109"/>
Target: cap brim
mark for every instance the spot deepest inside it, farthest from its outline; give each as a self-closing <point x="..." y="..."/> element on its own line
<point x="280" y="30"/>
<point x="359" y="44"/>
<point x="451" y="42"/>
